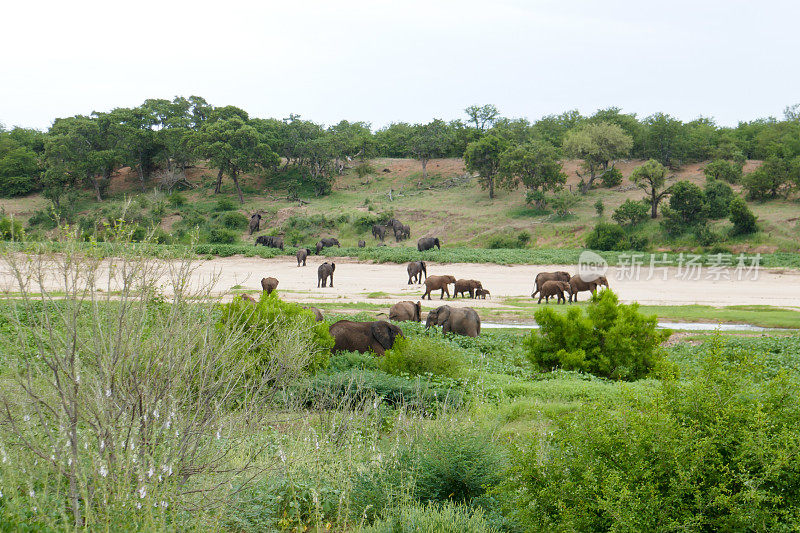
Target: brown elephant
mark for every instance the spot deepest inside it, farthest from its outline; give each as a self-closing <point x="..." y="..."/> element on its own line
<point x="415" y="271"/>
<point x="427" y="243"/>
<point x="482" y="293"/>
<point x="362" y="244"/>
<point x="433" y="283"/>
<point x="578" y="285"/>
<point x="269" y="284"/>
<point x="255" y="223"/>
<point x="406" y="311"/>
<point x="324" y="272"/>
<point x="554" y="288"/>
<point x="379" y="231"/>
<point x="459" y="320"/>
<point x="364" y="337"/>
<point x="468" y="286"/>
<point x="248" y="298"/>
<point x="272" y="242"/>
<point x="317" y="313"/>
<point x="302" y="254"/>
<point x="542" y="277"/>
<point x="325" y="243"/>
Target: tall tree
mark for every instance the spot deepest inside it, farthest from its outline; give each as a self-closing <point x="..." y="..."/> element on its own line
<point x="136" y="139"/>
<point x="535" y="165"/>
<point x="428" y="141"/>
<point x="482" y="116"/>
<point x="599" y="145"/>
<point x="233" y="146"/>
<point x="483" y="157"/>
<point x="665" y="140"/>
<point x="651" y="178"/>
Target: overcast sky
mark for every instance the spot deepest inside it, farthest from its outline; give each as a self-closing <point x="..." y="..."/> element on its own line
<point x="405" y="60"/>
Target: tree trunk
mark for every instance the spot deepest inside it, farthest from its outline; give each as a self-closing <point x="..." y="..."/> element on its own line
<point x="653" y="204"/>
<point x="96" y="186"/>
<point x="219" y="182"/>
<point x="490" y="179"/>
<point x="424" y="162"/>
<point x="238" y="189"/>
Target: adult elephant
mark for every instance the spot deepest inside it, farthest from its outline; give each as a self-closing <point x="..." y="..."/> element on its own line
<point x="458" y="320"/>
<point x="543" y="277"/>
<point x="255" y="222"/>
<point x="269" y="284"/>
<point x="364" y="337"/>
<point x="324" y="272"/>
<point x="467" y="286"/>
<point x="302" y="254"/>
<point x="406" y="311"/>
<point x="379" y="231"/>
<point x="271" y="242"/>
<point x="401" y="231"/>
<point x="362" y="244"/>
<point x="434" y="283"/>
<point x="406" y="231"/>
<point x="327" y="243"/>
<point x="577" y="285"/>
<point x="427" y="243"/>
<point x="415" y="271"/>
<point x="556" y="289"/>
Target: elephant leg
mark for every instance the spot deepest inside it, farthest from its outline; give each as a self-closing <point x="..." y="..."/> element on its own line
<point x="442" y="296"/>
<point x="331" y="280"/>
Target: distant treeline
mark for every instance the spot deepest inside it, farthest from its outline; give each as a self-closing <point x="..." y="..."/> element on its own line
<point x="161" y="138"/>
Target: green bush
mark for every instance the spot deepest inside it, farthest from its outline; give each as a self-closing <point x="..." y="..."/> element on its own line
<point x="280" y="333"/>
<point x="499" y="242"/>
<point x="687" y="208"/>
<point x="774" y="178"/>
<point x="11" y="229"/>
<point x="445" y="518"/>
<point x="718" y="197"/>
<point x="705" y="236"/>
<point x="421" y="355"/>
<point x="225" y="204"/>
<point x="720" y="169"/>
<point x="717" y="452"/>
<point x="599" y="207"/>
<point x="610" y="339"/>
<point x="606" y="236"/>
<point x="176" y="199"/>
<point x="612" y="178"/>
<point x="631" y="213"/>
<point x="233" y="220"/>
<point x="744" y="221"/>
<point x="219" y="235"/>
<point x="18" y="185"/>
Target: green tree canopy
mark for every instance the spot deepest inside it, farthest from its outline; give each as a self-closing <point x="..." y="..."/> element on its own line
<point x="535" y="165"/>
<point x="599" y="145"/>
<point x="483" y="157"/>
<point x="651" y="178"/>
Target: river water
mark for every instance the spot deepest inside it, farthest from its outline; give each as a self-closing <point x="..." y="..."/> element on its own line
<point x="684" y="326"/>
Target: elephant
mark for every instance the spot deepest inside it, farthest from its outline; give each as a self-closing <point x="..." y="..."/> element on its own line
<point x="395" y="224"/>
<point x="255" y="222"/>
<point x="482" y="293"/>
<point x="248" y="298"/>
<point x="415" y="271"/>
<point x="364" y="337"/>
<point x="541" y="277"/>
<point x="466" y="285"/>
<point x="361" y="244"/>
<point x="381" y="244"/>
<point x="433" y="283"/>
<point x="272" y="242"/>
<point x="317" y="313"/>
<point x="577" y="285"/>
<point x="554" y="288"/>
<point x="379" y="231"/>
<point x="406" y="311"/>
<point x="458" y="320"/>
<point x="406" y="231"/>
<point x="401" y="232"/>
<point x="302" y="254"/>
<point x="427" y="243"/>
<point x="325" y="271"/>
<point x="325" y="243"/>
<point x="269" y="284"/>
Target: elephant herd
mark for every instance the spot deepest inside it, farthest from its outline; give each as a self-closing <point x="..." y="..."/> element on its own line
<point x="555" y="284"/>
<point x="401" y="231"/>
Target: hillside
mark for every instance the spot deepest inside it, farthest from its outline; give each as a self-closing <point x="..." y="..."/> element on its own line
<point x="449" y="204"/>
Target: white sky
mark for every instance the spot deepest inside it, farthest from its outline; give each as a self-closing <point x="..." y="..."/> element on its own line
<point x="405" y="60"/>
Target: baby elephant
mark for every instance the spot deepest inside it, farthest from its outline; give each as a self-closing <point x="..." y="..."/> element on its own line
<point x="269" y="284"/>
<point x="415" y="271"/>
<point x="467" y="285"/>
<point x="302" y="254"/>
<point x="364" y="337"/>
<point x="554" y="288"/>
<point x="362" y="244"/>
<point x="482" y="293"/>
<point x="406" y="312"/>
<point x="324" y="272"/>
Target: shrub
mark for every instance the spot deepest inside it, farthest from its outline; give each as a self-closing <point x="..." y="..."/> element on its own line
<point x="176" y="200"/>
<point x="717" y="452"/>
<point x="610" y="340"/>
<point x="775" y="177"/>
<point x="536" y="198"/>
<point x="421" y="355"/>
<point x="563" y="201"/>
<point x="225" y="204"/>
<point x="599" y="207"/>
<point x="364" y="169"/>
<point x="218" y="235"/>
<point x="687" y="208"/>
<point x="606" y="236"/>
<point x="744" y="221"/>
<point x="11" y="229"/>
<point x="718" y="197"/>
<point x="612" y="178"/>
<point x="705" y="236"/>
<point x="446" y="518"/>
<point x="498" y="242"/>
<point x="720" y="169"/>
<point x="631" y="213"/>
<point x="18" y="185"/>
<point x="234" y="220"/>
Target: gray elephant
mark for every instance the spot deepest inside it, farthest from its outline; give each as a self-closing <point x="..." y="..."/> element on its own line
<point x="542" y="277"/>
<point x="269" y="284"/>
<point x="468" y="286"/>
<point x="324" y="272"/>
<point x="255" y="222"/>
<point x="379" y="231"/>
<point x="556" y="289"/>
<point x="249" y="299"/>
<point x="458" y="320"/>
<point x="317" y="313"/>
<point x="434" y="283"/>
<point x="302" y="254"/>
<point x="427" y="243"/>
<point x="362" y="244"/>
<point x="482" y="293"/>
<point x="364" y="337"/>
<point x="271" y="242"/>
<point x="326" y="243"/>
<point x="578" y="285"/>
<point x="406" y="311"/>
<point x="415" y="271"/>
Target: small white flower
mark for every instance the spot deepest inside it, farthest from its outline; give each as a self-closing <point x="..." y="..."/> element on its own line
<point x="163" y="504"/>
<point x="282" y="455"/>
<point x="31" y="493"/>
<point x="108" y="393"/>
<point x="69" y="461"/>
<point x="1" y="493"/>
<point x="142" y="491"/>
<point x="150" y="472"/>
<point x="78" y="378"/>
<point x="155" y="414"/>
<point x="103" y="470"/>
<point x="26" y="418"/>
<point x="138" y="505"/>
<point x="52" y="457"/>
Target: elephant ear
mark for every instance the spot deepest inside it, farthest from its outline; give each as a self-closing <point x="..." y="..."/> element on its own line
<point x="443" y="315"/>
<point x="333" y="266"/>
<point x="418" y="308"/>
<point x="383" y="334"/>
